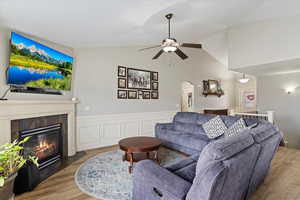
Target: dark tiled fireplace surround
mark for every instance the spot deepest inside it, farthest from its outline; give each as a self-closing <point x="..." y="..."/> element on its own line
<point x="49" y="140"/>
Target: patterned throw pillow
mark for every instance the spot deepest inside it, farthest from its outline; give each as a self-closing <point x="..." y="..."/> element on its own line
<point x="236" y="128"/>
<point x="214" y="127"/>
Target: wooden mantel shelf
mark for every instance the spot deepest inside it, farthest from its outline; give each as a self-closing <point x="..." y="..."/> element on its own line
<point x="10" y="102"/>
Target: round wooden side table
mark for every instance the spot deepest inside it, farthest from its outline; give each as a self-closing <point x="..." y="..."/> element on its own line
<point x="139" y="148"/>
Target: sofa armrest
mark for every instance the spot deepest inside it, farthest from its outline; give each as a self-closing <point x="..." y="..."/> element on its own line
<point x="151" y="182"/>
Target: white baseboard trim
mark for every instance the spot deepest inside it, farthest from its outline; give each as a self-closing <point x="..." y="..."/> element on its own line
<point x="105" y="130"/>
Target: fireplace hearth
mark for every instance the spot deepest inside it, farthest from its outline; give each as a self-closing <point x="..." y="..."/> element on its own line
<point x="45" y="143"/>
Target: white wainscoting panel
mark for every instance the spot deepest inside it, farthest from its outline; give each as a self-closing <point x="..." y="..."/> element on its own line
<point x="105" y="130"/>
<point x="93" y="133"/>
<point x="111" y="132"/>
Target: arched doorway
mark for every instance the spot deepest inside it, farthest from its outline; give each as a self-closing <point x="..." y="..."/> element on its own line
<point x="187" y="97"/>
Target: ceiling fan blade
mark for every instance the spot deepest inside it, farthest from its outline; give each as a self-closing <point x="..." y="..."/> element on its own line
<point x="158" y="54"/>
<point x="156" y="46"/>
<point x="191" y="45"/>
<point x="181" y="54"/>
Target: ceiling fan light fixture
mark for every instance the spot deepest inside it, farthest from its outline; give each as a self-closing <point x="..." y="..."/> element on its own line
<point x="171" y="45"/>
<point x="169" y="48"/>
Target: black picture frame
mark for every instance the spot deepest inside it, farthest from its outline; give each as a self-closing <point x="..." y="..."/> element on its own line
<point x="154" y="95"/>
<point x="132" y="92"/>
<point x="154" y="76"/>
<point x="140" y="94"/>
<point x="122" y="82"/>
<point x="154" y="85"/>
<point x="122" y="72"/>
<point x="133" y="82"/>
<point x="122" y="94"/>
<point x="146" y="95"/>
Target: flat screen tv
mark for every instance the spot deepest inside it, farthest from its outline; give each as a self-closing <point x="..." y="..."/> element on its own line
<point x="35" y="65"/>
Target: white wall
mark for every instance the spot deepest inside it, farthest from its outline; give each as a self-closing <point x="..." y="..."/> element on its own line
<point x="96" y="79"/>
<point x="272" y="95"/>
<point x="217" y="46"/>
<point x="4" y="62"/>
<point x="264" y="42"/>
<point x="103" y="119"/>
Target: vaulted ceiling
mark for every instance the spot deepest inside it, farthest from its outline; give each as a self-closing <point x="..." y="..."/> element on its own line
<point x="86" y="23"/>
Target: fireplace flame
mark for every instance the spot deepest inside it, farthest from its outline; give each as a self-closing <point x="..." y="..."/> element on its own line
<point x="44" y="149"/>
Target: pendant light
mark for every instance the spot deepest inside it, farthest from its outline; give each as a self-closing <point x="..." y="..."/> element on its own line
<point x="243" y="80"/>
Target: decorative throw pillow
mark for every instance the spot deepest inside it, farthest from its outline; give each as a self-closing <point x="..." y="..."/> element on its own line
<point x="236" y="128"/>
<point x="214" y="127"/>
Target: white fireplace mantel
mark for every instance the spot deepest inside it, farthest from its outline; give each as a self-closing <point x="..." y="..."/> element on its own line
<point x="22" y="109"/>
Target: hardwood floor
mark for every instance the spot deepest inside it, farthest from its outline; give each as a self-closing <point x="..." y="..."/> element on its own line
<point x="283" y="182"/>
<point x="61" y="186"/>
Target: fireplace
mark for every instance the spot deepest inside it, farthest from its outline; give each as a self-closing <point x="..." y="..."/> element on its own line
<point x="45" y="143"/>
<point x="48" y="141"/>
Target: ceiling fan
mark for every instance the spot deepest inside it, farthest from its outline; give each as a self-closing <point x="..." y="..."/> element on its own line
<point x="171" y="45"/>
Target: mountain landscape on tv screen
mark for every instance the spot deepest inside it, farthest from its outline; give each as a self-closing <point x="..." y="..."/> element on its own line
<point x="35" y="65"/>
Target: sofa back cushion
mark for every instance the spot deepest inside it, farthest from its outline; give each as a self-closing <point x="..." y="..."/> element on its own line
<point x="228" y="120"/>
<point x="188" y="128"/>
<point x="186" y="117"/>
<point x="186" y="122"/>
<point x="191" y="122"/>
<point x="263" y="131"/>
<point x="224" y="169"/>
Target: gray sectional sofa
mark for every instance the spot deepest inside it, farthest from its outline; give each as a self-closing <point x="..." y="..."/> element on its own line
<point x="224" y="168"/>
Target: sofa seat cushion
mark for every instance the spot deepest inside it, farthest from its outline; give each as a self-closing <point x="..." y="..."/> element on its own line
<point x="214" y="127"/>
<point x="193" y="141"/>
<point x="189" y="140"/>
<point x="182" y="163"/>
<point x="188" y="128"/>
<point x="188" y="172"/>
<point x="185" y="168"/>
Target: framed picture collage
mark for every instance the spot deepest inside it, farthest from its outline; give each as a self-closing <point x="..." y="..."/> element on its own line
<point x="137" y="84"/>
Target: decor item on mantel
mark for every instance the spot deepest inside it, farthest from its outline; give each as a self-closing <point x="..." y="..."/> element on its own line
<point x="11" y="160"/>
<point x="212" y="87"/>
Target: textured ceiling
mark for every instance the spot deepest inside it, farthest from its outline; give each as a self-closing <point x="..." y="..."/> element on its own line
<point x="86" y="23"/>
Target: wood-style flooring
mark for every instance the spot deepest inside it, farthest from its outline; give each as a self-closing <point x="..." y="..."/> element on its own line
<point x="282" y="183"/>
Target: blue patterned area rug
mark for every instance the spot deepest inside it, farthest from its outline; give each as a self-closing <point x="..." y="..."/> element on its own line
<point x="106" y="177"/>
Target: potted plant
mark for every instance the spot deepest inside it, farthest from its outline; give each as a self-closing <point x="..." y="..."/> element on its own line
<point x="11" y="160"/>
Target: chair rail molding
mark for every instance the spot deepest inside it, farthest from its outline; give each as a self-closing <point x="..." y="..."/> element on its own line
<point x="107" y="129"/>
